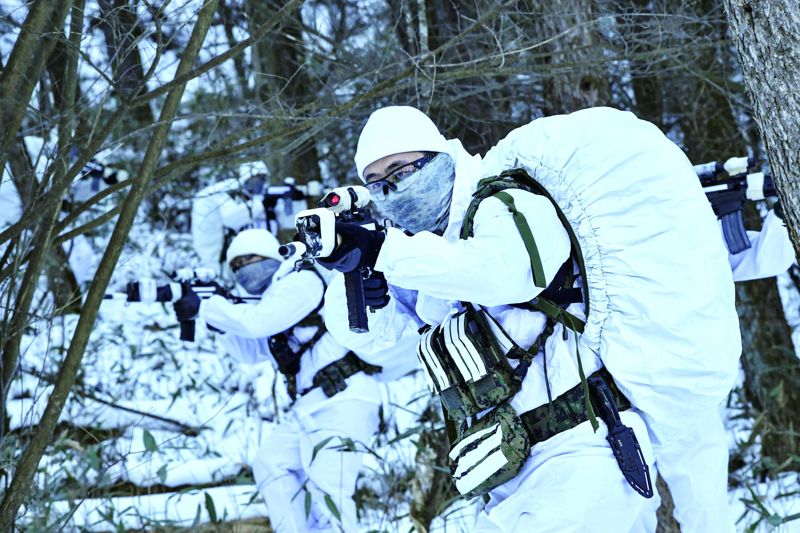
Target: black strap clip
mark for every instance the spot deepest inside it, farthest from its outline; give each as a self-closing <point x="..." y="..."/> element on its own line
<point x="622" y="439"/>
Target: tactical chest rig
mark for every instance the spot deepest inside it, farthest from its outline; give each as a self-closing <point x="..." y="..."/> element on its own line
<point x="466" y="359"/>
<point x="287" y="350"/>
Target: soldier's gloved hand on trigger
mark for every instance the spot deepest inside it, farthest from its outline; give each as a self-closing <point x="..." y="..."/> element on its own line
<point x="188" y="305"/>
<point x="376" y="291"/>
<point x="358" y="248"/>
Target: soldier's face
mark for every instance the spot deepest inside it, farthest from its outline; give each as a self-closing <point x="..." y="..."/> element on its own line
<point x="391" y="163"/>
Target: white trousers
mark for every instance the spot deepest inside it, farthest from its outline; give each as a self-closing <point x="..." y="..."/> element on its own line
<point x="572" y="483"/>
<point x="695" y="467"/>
<point x="305" y="491"/>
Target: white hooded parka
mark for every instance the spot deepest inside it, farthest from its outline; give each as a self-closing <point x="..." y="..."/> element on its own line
<point x="429" y="275"/>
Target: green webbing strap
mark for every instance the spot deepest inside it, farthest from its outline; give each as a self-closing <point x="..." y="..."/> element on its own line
<point x="567" y="411"/>
<point x="571" y="322"/>
<point x="559" y="314"/>
<point x="331" y="378"/>
<point x="521" y="180"/>
<point x="584" y="383"/>
<point x="527" y="237"/>
<point x="534" y="186"/>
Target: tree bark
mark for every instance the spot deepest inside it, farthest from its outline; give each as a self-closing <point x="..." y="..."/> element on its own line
<point x="43" y="235"/>
<point x="122" y="32"/>
<point x="767" y="37"/>
<point x="571" y="25"/>
<point x="26" y="466"/>
<point x="25" y="64"/>
<point x="282" y="85"/>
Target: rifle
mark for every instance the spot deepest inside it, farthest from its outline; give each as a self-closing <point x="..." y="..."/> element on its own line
<point x="93" y="177"/>
<point x="200" y="280"/>
<point x="728" y="184"/>
<point x="290" y="192"/>
<point x="316" y="237"/>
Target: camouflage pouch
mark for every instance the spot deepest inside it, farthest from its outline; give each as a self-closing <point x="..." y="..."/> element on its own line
<point x="466" y="362"/>
<point x="490" y="452"/>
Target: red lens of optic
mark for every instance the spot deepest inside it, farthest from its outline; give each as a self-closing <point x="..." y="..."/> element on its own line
<point x="334" y="199"/>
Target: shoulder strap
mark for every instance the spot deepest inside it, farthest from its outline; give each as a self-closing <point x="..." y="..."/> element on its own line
<point x="518" y="179"/>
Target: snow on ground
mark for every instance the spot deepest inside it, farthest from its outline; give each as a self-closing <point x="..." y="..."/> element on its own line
<point x="158" y="431"/>
<point x="183" y="418"/>
<point x="187" y="419"/>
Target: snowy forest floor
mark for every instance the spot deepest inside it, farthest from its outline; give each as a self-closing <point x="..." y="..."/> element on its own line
<point x="158" y="434"/>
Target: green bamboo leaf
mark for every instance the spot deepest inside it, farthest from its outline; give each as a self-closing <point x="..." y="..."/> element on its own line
<point x="318" y="447"/>
<point x="775" y="520"/>
<point x="212" y="511"/>
<point x="93" y="459"/>
<point x="196" y="518"/>
<point x="149" y="441"/>
<point x="348" y="444"/>
<point x="162" y="474"/>
<point x="332" y="507"/>
<point x="308" y="504"/>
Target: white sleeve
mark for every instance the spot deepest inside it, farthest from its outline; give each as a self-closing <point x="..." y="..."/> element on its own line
<point x="285" y="303"/>
<point x="770" y="253"/>
<point x="207" y="230"/>
<point x="386" y="325"/>
<point x="245" y="351"/>
<point x="491" y="268"/>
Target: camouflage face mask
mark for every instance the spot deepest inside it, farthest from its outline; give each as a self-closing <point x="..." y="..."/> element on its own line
<point x="421" y="201"/>
<point x="256" y="277"/>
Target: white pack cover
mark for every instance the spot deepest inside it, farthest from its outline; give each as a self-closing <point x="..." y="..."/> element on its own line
<point x="662" y="316"/>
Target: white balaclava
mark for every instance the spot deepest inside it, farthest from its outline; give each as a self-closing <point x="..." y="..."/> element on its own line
<point x="255" y="277"/>
<point x="422" y="201"/>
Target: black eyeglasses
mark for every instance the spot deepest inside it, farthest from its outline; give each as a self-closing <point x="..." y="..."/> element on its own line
<point x="243" y="260"/>
<point x="389" y="180"/>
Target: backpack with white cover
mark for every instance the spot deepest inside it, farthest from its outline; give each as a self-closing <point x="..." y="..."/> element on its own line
<point x="661" y="313"/>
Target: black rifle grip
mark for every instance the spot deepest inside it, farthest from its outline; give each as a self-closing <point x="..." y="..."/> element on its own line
<point x="356" y="306"/>
<point x="734" y="232"/>
<point x="187" y="330"/>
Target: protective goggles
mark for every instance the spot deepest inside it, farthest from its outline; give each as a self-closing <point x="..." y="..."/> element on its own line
<point x="389" y="181"/>
<point x="243" y="260"/>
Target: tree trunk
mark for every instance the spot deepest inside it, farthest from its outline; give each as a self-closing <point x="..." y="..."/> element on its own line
<point x="282" y="84"/>
<point x="767" y="37"/>
<point x="121" y="29"/>
<point x="27" y="60"/>
<point x="26" y="466"/>
<point x="13" y="329"/>
<point x="571" y="26"/>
